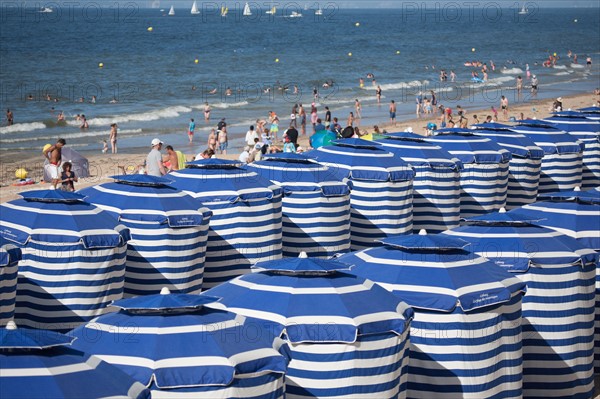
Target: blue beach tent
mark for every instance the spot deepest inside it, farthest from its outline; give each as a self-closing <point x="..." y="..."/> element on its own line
<point x="169" y="231"/>
<point x="381" y="188"/>
<point x="524" y="168"/>
<point x="316" y="204"/>
<point x="246" y="224"/>
<point x="436" y="186"/>
<point x="39" y="364"/>
<point x="73" y="262"/>
<point x="10" y="256"/>
<point x="465" y="339"/>
<point x="484" y="178"/>
<point x="563" y="155"/>
<point x="559" y="308"/>
<point x="343" y="335"/>
<point x="178" y="348"/>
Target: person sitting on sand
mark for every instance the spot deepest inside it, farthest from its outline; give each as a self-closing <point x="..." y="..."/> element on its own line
<point x="54" y="154"/>
<point x="206" y="154"/>
<point x="68" y="177"/>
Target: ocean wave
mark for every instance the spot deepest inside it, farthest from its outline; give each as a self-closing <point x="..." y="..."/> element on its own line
<point x="400" y="85"/>
<point x="577" y="66"/>
<point x="22" y="127"/>
<point x="169" y="112"/>
<point x="224" y="105"/>
<point x="69" y="136"/>
<point x="498" y="81"/>
<point x="563" y="73"/>
<point x="560" y="67"/>
<point x="511" y="71"/>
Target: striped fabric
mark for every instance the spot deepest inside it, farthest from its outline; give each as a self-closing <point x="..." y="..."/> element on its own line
<point x="588" y="131"/>
<point x="189" y="353"/>
<point x="73" y="262"/>
<point x="465" y="339"/>
<point x="9" y="259"/>
<point x="436" y="195"/>
<point x="169" y="231"/>
<point x="524" y="168"/>
<point x="484" y="179"/>
<point x="562" y="161"/>
<point x="344" y="336"/>
<point x="246" y="224"/>
<point x="558" y="310"/>
<point x="316" y="205"/>
<point x="381" y="189"/>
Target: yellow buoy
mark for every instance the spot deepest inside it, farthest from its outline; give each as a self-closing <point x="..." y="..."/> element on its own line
<point x="349" y="54"/>
<point x="101" y="65"/>
<point x="276" y="59"/>
<point x="21" y="173"/>
<point x="150" y="29"/>
<point x="397" y="51"/>
<point x="357" y="24"/>
<point x="46" y="147"/>
<point x="555" y="54"/>
<point x="196" y="61"/>
<point x="473" y="49"/>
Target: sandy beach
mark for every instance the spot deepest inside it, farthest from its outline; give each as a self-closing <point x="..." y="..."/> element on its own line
<point x="104" y="165"/>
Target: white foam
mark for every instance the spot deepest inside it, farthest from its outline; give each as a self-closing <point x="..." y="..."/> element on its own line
<point x="563" y="73"/>
<point x="498" y="81"/>
<point x="169" y="112"/>
<point x="400" y="85"/>
<point x="225" y="105"/>
<point x="22" y="127"/>
<point x="577" y="66"/>
<point x="75" y="135"/>
<point x="511" y="71"/>
<point x="560" y="67"/>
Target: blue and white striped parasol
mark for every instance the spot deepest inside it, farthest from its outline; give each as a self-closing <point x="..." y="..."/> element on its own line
<point x="344" y="335"/>
<point x="246" y="224"/>
<point x="484" y="179"/>
<point x="178" y="348"/>
<point x="316" y="204"/>
<point x="10" y="256"/>
<point x="465" y="339"/>
<point x="436" y="196"/>
<point x="558" y="310"/>
<point x="563" y="154"/>
<point x="73" y="262"/>
<point x="169" y="231"/>
<point x="38" y="364"/>
<point x="381" y="188"/>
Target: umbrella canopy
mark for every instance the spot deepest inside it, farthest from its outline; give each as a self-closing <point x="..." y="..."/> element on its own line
<point x="381" y="184"/>
<point x="81" y="165"/>
<point x="183" y="348"/>
<point x="484" y="180"/>
<point x="39" y="364"/>
<point x="9" y="259"/>
<point x="169" y="231"/>
<point x="316" y="204"/>
<point x="332" y="323"/>
<point x="523" y="169"/>
<point x="454" y="291"/>
<point x="246" y="224"/>
<point x="73" y="257"/>
<point x="436" y="196"/>
<point x="563" y="155"/>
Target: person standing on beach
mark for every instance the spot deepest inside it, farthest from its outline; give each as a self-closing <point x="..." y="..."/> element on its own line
<point x="54" y="155"/>
<point x="534" y="85"/>
<point x="223" y="141"/>
<point x="419" y="102"/>
<point x="191" y="129"/>
<point x="519" y="85"/>
<point x="250" y="136"/>
<point x="504" y="107"/>
<point x="302" y="115"/>
<point x="206" y="112"/>
<point x="393" y="112"/>
<point x="67" y="177"/>
<point x="212" y="141"/>
<point x="293" y="116"/>
<point x="113" y="138"/>
<point x="357" y="107"/>
<point x="327" y="117"/>
<point x="154" y="162"/>
<point x="313" y="116"/>
<point x="9" y="117"/>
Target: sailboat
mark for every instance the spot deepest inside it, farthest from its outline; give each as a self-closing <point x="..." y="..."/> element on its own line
<point x="195" y="10"/>
<point x="46" y="10"/>
<point x="172" y="11"/>
<point x="319" y="11"/>
<point x="224" y="11"/>
<point x="272" y="11"/>
<point x="524" y="10"/>
<point x="247" y="11"/>
<point x="295" y="14"/>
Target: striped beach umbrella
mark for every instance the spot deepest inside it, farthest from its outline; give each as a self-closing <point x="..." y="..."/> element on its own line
<point x="563" y="154"/>
<point x="174" y="345"/>
<point x="465" y="339"/>
<point x="558" y="310"/>
<point x="316" y="204"/>
<point x="345" y="337"/>
<point x="169" y="231"/>
<point x="73" y="262"/>
<point x="38" y="364"/>
<point x="10" y="256"/>
<point x="524" y="168"/>
<point x="484" y="179"/>
<point x="246" y="224"/>
<point x="436" y="195"/>
<point x="381" y="188"/>
<point x="586" y="128"/>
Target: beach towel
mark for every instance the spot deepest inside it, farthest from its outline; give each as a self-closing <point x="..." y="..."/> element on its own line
<point x="181" y="160"/>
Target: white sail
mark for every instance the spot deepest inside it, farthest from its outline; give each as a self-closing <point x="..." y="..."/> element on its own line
<point x="224" y="11"/>
<point x="524" y="10"/>
<point x="247" y="11"/>
<point x="272" y="11"/>
<point x="172" y="11"/>
<point x="195" y="10"/>
<point x="319" y="12"/>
